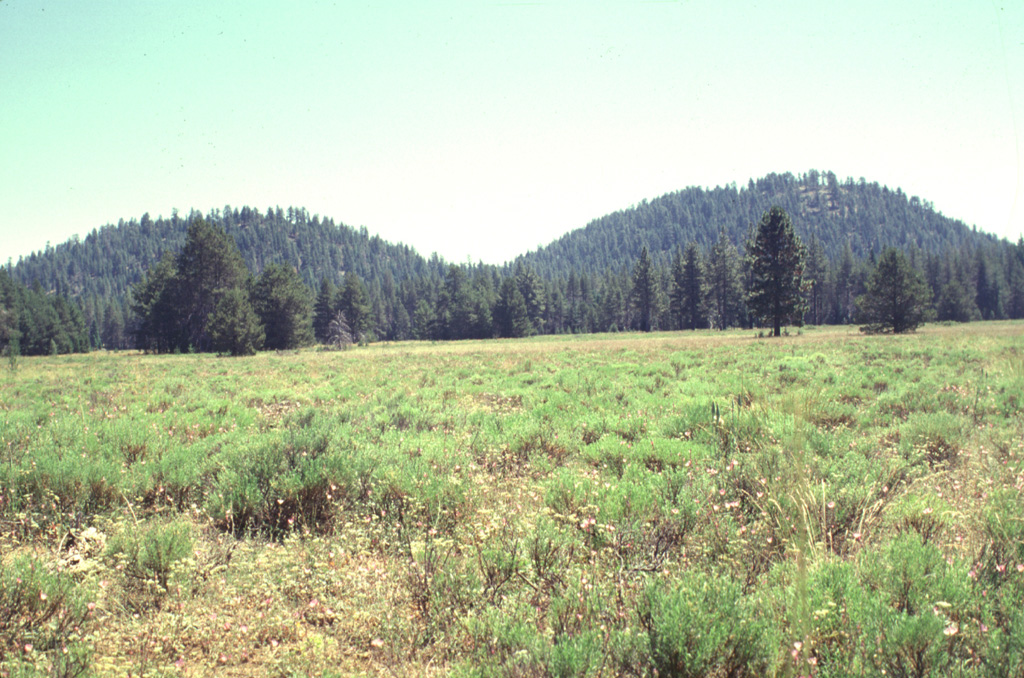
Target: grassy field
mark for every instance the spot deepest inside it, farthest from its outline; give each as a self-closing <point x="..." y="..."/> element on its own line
<point x="827" y="504"/>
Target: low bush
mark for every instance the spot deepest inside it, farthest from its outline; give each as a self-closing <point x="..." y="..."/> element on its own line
<point x="44" y="620"/>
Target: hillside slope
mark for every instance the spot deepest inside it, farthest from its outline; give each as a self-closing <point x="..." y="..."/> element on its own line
<point x="866" y="215"/>
<point x="109" y="260"/>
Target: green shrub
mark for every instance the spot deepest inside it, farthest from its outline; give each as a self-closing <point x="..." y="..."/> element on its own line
<point x="148" y="557"/>
<point x="927" y="516"/>
<point x="286" y="482"/>
<point x="703" y="625"/>
<point x="919" y="610"/>
<point x="1004" y="527"/>
<point x="43" y="619"/>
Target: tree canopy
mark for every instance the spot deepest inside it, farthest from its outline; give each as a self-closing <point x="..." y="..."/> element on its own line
<point x="896" y="299"/>
<point x="579" y="283"/>
<point x="776" y="272"/>
<point x="284" y="307"/>
<point x="200" y="300"/>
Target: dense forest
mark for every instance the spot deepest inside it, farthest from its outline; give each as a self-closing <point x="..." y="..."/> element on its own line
<point x="864" y="216"/>
<point x="691" y="248"/>
<point x="33" y="322"/>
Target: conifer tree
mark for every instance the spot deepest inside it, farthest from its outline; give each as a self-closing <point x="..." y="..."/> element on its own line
<point x="688" y="289"/>
<point x="9" y="333"/>
<point x="956" y="302"/>
<point x="113" y="328"/>
<point x="339" y="332"/>
<point x="284" y="307"/>
<point x="152" y="303"/>
<point x="814" y="279"/>
<point x="776" y="260"/>
<point x="208" y="266"/>
<point x="676" y="301"/>
<point x="323" y="309"/>
<point x="843" y="289"/>
<point x="724" y="283"/>
<point x="612" y="307"/>
<point x="897" y="297"/>
<point x="531" y="287"/>
<point x="643" y="293"/>
<point x="353" y="302"/>
<point x="511" y="315"/>
<point x="987" y="298"/>
<point x="234" y="327"/>
<point x="1014" y="287"/>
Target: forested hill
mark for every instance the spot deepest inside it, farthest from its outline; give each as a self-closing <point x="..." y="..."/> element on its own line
<point x="109" y="260"/>
<point x="868" y="216"/>
<point x="582" y="282"/>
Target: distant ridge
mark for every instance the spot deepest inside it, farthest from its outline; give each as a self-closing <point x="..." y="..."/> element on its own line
<point x="110" y="259"/>
<point x="868" y="216"/>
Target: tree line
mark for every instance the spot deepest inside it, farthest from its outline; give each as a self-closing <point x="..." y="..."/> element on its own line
<point x="98" y="270"/>
<point x="697" y="269"/>
<point x="33" y="322"/>
<point x="206" y="299"/>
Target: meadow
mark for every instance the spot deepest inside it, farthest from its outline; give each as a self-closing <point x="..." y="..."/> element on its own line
<point x="678" y="504"/>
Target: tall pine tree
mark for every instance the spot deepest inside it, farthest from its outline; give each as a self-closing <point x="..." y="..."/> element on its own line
<point x="776" y="261"/>
<point x="897" y="298"/>
<point x="724" y="283"/>
<point x="643" y="293"/>
<point x="208" y="266"/>
<point x="284" y="307"/>
<point x="323" y="310"/>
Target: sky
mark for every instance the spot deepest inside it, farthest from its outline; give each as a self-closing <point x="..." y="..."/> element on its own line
<point x="482" y="130"/>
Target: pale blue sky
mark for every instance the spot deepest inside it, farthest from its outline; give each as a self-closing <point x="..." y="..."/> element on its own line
<point x="485" y="129"/>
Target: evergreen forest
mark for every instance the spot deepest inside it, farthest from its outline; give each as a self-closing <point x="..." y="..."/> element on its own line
<point x="686" y="260"/>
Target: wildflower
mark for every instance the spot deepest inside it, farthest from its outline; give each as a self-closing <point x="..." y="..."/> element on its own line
<point x="28" y="647"/>
<point x="42" y="595"/>
<point x="951" y="630"/>
<point x="831" y="504"/>
<point x="377" y="642"/>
